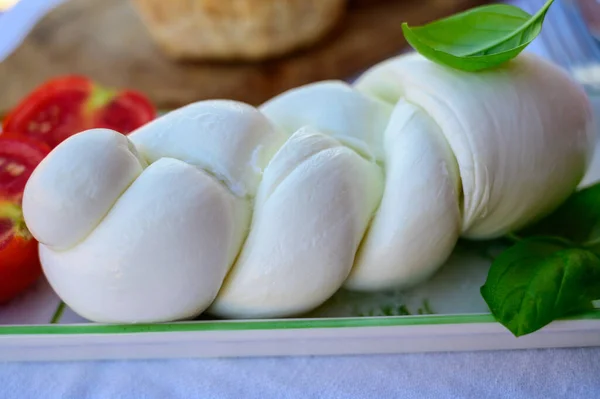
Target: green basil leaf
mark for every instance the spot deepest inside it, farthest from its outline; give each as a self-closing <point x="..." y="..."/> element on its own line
<point x="537" y="281"/>
<point x="481" y="38"/>
<point x="577" y="220"/>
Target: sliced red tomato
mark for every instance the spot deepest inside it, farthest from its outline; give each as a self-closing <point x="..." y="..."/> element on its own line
<point x="19" y="155"/>
<point x="19" y="262"/>
<point x="70" y="104"/>
<point x="125" y="113"/>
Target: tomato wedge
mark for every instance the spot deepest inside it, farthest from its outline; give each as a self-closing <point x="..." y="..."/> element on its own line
<point x="67" y="105"/>
<point x="19" y="262"/>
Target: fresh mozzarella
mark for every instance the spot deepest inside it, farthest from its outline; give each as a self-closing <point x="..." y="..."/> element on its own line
<point x="229" y="139"/>
<point x="522" y="134"/>
<point x="311" y="211"/>
<point x="336" y="109"/>
<point x="418" y="221"/>
<point x="471" y="154"/>
<point x="160" y="254"/>
<point x="75" y="186"/>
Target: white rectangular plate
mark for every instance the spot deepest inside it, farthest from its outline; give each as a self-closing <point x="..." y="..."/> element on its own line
<point x="446" y="313"/>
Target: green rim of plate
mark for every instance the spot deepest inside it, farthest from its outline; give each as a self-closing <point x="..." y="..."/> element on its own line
<point x="250" y="325"/>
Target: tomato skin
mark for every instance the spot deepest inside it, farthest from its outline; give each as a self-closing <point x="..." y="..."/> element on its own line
<point x="19" y="267"/>
<point x="67" y="105"/>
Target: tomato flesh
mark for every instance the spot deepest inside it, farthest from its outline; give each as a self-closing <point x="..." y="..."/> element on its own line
<point x="68" y="105"/>
<point x="19" y="262"/>
<point x="55" y="120"/>
<point x="50" y="112"/>
<point x="19" y="267"/>
<point x="125" y="113"/>
<point x="6" y="232"/>
<point x="19" y="155"/>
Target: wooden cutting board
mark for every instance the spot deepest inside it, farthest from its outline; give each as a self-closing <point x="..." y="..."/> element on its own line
<point x="105" y="39"/>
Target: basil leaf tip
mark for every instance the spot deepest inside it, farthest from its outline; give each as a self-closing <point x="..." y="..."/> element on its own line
<point x="481" y="38"/>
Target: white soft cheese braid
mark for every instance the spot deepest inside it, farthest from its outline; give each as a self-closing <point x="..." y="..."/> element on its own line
<point x="246" y="212"/>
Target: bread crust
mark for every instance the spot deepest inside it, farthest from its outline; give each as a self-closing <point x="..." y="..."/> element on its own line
<point x="237" y="29"/>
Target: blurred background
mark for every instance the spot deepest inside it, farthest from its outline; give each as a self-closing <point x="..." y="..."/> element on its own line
<point x="180" y="51"/>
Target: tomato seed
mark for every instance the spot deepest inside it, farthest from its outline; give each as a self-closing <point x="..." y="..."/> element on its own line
<point x="14" y="169"/>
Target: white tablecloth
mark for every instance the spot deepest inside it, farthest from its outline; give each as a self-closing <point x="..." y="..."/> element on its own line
<point x="565" y="373"/>
<point x="548" y="374"/>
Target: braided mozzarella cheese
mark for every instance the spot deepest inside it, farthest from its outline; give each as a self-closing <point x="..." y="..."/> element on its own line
<point x="311" y="212"/>
<point x="244" y="212"/>
<point x="521" y="138"/>
<point x="418" y="221"/>
<point x="337" y="110"/>
<point x="522" y="134"/>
